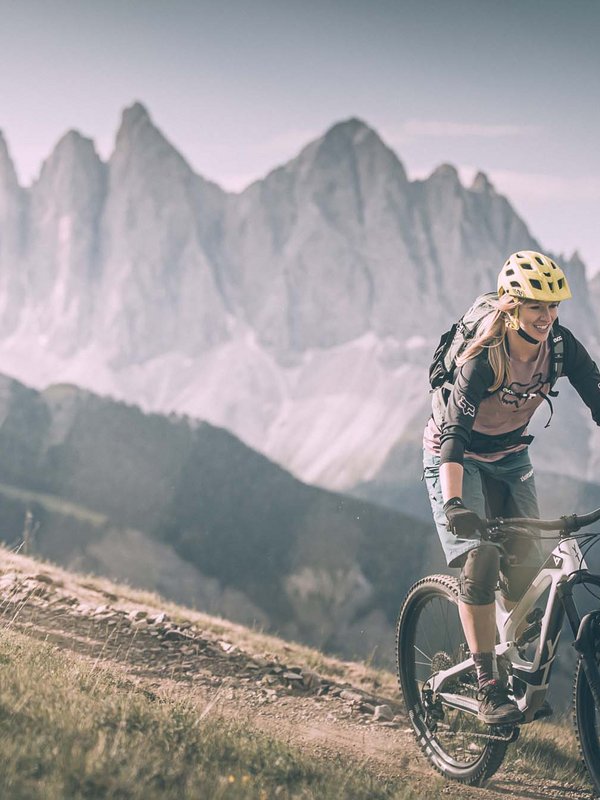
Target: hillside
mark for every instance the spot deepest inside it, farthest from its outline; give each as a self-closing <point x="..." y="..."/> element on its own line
<point x="311" y="708"/>
<point x="188" y="510"/>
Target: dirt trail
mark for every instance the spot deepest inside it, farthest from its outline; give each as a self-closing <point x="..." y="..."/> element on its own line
<point x="346" y="715"/>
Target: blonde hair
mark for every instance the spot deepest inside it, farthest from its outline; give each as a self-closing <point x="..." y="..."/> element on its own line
<point x="492" y="337"/>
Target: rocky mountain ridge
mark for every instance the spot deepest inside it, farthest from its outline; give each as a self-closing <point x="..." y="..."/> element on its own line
<point x="299" y="314"/>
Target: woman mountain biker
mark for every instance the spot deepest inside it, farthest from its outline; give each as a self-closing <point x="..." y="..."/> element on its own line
<point x="476" y="463"/>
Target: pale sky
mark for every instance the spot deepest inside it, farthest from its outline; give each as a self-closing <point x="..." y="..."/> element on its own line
<point x="240" y="86"/>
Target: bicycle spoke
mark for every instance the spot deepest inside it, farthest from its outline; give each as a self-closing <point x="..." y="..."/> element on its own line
<point x="418" y="649"/>
<point x="438" y="646"/>
<point x="426" y="636"/>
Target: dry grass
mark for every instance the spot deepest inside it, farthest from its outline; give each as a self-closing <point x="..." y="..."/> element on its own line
<point x="68" y="730"/>
<point x="251" y="640"/>
<point x="549" y="750"/>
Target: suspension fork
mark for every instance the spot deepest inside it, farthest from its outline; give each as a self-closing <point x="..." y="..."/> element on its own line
<point x="586" y="631"/>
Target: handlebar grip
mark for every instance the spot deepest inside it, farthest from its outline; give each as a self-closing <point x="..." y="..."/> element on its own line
<point x="566" y="524"/>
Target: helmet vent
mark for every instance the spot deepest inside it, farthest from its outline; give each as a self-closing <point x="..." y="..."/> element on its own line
<point x="534" y="276"/>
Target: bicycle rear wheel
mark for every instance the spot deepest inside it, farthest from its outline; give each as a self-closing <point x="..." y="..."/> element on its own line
<point x="429" y="639"/>
<point x="586" y="718"/>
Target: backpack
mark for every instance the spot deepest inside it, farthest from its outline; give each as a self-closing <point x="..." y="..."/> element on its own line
<point x="455" y="341"/>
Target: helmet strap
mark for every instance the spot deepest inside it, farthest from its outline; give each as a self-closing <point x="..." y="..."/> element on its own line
<point x="527" y="337"/>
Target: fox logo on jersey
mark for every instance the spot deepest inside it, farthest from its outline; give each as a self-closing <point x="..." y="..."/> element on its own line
<point x="517" y="394"/>
<point x="467" y="407"/>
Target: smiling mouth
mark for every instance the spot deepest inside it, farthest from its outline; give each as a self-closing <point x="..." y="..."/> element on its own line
<point x="541" y="328"/>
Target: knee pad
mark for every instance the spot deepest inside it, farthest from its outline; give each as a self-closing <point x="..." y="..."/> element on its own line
<point x="479" y="575"/>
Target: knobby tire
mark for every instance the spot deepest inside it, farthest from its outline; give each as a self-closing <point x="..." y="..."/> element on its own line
<point x="477" y="761"/>
<point x="586" y="719"/>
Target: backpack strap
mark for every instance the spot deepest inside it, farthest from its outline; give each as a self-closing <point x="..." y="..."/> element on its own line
<point x="557" y="358"/>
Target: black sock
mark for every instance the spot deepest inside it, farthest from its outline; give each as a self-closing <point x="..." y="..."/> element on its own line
<point x="487" y="669"/>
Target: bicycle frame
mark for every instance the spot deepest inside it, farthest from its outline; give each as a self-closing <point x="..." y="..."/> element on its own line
<point x="564" y="568"/>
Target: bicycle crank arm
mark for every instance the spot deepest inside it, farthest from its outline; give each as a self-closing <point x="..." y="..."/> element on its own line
<point x="468" y="704"/>
<point x="437" y="681"/>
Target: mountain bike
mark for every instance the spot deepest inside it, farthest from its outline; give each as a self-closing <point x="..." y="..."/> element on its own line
<point x="436" y="671"/>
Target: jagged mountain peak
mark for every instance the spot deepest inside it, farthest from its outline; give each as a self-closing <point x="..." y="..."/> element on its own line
<point x="576" y="258"/>
<point x="74" y="138"/>
<point x="351" y="142"/>
<point x="73" y="145"/>
<point x="137" y="130"/>
<point x="339" y="142"/>
<point x="140" y="141"/>
<point x="446" y="172"/>
<point x="8" y="175"/>
<point x="350" y="129"/>
<point x="482" y="184"/>
<point x="355" y="134"/>
<point x="134" y="115"/>
<point x="71" y="166"/>
<point x="135" y="123"/>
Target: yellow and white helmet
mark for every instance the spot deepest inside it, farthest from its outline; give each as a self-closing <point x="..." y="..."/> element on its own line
<point x="533" y="276"/>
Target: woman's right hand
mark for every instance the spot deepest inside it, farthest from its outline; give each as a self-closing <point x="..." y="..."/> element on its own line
<point x="461" y="520"/>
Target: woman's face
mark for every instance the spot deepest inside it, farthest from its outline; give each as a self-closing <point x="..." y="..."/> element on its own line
<point x="536" y="318"/>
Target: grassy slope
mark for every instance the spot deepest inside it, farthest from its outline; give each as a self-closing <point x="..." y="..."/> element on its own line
<point x="70" y="729"/>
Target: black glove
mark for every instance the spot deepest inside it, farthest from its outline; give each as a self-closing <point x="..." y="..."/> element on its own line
<point x="461" y="521"/>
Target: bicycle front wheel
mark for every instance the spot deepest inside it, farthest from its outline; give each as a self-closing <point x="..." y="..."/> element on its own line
<point x="429" y="639"/>
<point x="586" y="718"/>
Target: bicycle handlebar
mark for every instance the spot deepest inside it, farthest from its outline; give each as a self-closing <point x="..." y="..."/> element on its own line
<point x="566" y="524"/>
